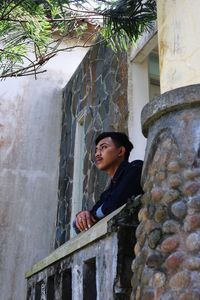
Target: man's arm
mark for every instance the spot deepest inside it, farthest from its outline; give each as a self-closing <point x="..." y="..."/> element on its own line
<point x="84" y="220"/>
<point x="122" y="190"/>
<point x="128" y="186"/>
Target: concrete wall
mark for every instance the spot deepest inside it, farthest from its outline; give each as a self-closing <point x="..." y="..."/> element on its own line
<point x="178" y="34"/>
<point x="103" y="252"/>
<point x="138" y="88"/>
<point x="138" y="96"/>
<point x="30" y="129"/>
<point x="96" y="264"/>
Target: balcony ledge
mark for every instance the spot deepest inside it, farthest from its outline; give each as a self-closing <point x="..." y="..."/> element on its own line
<point x="81" y="240"/>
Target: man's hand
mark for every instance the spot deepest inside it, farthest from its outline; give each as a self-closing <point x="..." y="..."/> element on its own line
<point x="84" y="220"/>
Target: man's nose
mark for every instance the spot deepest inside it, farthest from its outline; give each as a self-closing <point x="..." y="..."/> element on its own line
<point x="97" y="153"/>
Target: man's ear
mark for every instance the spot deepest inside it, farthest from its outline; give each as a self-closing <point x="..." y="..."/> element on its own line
<point x="122" y="151"/>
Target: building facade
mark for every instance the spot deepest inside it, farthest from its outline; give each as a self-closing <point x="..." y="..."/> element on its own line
<point x="96" y="99"/>
<point x="165" y="262"/>
<point x="166" y="265"/>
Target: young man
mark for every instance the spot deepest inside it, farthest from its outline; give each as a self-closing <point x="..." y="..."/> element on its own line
<point x="111" y="155"/>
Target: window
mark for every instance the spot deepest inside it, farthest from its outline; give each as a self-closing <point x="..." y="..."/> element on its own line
<point x="154" y="75"/>
<point x="77" y="193"/>
<point x="67" y="285"/>
<point x="40" y="291"/>
<point x="50" y="288"/>
<point x="89" y="280"/>
<point x="143" y="85"/>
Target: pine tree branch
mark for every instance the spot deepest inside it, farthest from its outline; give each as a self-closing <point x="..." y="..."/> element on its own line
<point x="123" y="21"/>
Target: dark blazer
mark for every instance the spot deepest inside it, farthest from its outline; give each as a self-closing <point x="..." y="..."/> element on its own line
<point x="124" y="184"/>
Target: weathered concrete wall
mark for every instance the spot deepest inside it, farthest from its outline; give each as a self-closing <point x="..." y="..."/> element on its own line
<point x="138" y="96"/>
<point x="30" y="140"/>
<point x="168" y="238"/>
<point x="179" y="37"/>
<point x="99" y="88"/>
<point x="106" y="260"/>
<point x="139" y="88"/>
<point x="96" y="264"/>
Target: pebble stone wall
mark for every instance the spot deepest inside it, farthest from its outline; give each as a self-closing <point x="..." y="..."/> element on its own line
<point x="98" y="89"/>
<point x="167" y="263"/>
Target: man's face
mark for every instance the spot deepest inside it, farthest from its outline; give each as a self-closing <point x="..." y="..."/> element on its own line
<point x="107" y="155"/>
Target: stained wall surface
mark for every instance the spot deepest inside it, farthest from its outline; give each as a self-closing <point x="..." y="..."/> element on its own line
<point x="30" y="129"/>
<point x="178" y="48"/>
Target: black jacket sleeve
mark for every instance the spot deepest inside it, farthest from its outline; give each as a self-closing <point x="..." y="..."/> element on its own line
<point x="127" y="185"/>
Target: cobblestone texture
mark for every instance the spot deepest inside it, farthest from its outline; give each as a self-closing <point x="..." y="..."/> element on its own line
<point x="167" y="260"/>
<point x="99" y="88"/>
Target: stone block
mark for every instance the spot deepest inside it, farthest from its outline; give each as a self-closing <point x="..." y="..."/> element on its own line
<point x="160" y="214"/>
<point x="180" y="280"/>
<point x="171" y="226"/>
<point x="170" y="244"/>
<point x="159" y="279"/>
<point x="175" y="260"/>
<point x="155" y="259"/>
<point x="190" y="295"/>
<point x="193" y="242"/>
<point x="179" y="209"/>
<point x="192" y="222"/>
<point x="154" y="238"/>
<point x="191" y="188"/>
<point x="192" y="263"/>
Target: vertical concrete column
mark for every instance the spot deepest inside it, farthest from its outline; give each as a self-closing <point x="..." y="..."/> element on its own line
<point x="167" y="263"/>
<point x="179" y="40"/>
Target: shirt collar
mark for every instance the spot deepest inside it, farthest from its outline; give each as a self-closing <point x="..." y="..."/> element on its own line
<point x="120" y="170"/>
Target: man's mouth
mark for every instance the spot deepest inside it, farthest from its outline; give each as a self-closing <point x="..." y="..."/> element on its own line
<point x="98" y="160"/>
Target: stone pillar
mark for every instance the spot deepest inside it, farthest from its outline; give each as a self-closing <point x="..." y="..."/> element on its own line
<point x="167" y="263"/>
<point x="167" y="260"/>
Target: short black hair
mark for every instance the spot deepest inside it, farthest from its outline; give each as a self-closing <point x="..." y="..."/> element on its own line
<point x="119" y="139"/>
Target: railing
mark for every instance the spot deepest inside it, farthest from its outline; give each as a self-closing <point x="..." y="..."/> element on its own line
<point x="94" y="265"/>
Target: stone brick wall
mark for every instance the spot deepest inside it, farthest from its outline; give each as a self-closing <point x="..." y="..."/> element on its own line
<point x="99" y="87"/>
<point x="167" y="260"/>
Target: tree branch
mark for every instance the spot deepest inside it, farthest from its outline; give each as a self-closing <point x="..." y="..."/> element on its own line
<point x="12" y="8"/>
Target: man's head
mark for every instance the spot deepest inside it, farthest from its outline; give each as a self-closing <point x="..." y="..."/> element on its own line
<point x="111" y="149"/>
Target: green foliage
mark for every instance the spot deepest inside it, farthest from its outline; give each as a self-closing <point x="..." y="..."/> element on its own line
<point x="23" y="26"/>
<point x="27" y="26"/>
<point x="126" y="20"/>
